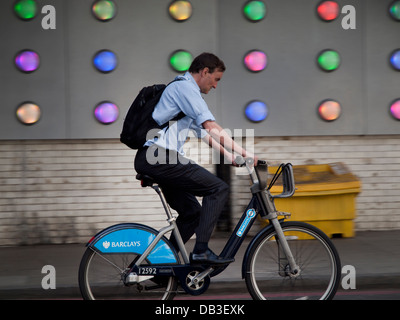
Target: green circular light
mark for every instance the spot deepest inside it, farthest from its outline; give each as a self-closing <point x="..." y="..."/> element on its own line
<point x="329" y="60"/>
<point x="254" y="10"/>
<point x="181" y="60"/>
<point x="104" y="10"/>
<point x="394" y="10"/>
<point x="25" y="9"/>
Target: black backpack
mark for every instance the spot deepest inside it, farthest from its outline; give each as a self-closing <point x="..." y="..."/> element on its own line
<point x="139" y="120"/>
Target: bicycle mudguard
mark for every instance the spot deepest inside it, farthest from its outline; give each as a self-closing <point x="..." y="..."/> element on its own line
<point x="133" y="238"/>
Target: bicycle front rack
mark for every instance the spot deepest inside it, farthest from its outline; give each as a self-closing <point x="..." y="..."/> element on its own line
<point x="286" y="170"/>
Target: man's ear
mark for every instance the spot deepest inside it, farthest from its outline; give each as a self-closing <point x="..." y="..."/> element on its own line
<point x="205" y="71"/>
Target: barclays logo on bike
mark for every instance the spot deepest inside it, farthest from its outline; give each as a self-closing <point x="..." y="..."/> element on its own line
<point x="106" y="244"/>
<point x="121" y="244"/>
<point x="250" y="214"/>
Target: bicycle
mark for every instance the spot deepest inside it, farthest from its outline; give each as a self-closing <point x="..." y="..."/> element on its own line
<point x="284" y="260"/>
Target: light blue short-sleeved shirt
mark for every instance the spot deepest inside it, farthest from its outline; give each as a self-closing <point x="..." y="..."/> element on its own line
<point x="183" y="95"/>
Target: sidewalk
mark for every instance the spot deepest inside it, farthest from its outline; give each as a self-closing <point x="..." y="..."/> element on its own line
<point x="374" y="255"/>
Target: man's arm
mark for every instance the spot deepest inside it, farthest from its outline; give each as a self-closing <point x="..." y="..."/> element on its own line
<point x="219" y="139"/>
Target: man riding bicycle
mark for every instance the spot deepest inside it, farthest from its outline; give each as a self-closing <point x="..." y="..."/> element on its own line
<point x="180" y="179"/>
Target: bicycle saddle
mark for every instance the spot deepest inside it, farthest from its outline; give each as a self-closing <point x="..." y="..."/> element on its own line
<point x="145" y="181"/>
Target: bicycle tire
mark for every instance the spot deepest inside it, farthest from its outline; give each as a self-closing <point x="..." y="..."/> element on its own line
<point x="100" y="277"/>
<point x="266" y="269"/>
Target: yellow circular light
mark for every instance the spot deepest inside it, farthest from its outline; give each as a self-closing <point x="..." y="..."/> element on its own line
<point x="180" y="10"/>
<point x="28" y="113"/>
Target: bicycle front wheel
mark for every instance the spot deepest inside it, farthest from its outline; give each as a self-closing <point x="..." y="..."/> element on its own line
<point x="268" y="273"/>
<point x="101" y="277"/>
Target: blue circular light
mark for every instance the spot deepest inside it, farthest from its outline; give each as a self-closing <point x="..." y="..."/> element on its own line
<point x="105" y="61"/>
<point x="395" y="59"/>
<point x="256" y="111"/>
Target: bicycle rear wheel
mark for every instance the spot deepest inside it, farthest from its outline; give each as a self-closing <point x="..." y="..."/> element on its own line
<point x="101" y="277"/>
<point x="267" y="270"/>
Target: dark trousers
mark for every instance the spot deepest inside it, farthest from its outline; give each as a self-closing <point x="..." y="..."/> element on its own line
<point x="181" y="181"/>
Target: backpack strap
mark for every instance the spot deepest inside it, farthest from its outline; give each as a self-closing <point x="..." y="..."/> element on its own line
<point x="180" y="115"/>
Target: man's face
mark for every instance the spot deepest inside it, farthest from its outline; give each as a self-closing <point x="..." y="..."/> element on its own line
<point x="209" y="80"/>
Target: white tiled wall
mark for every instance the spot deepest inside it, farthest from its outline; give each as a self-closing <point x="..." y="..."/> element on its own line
<point x="64" y="191"/>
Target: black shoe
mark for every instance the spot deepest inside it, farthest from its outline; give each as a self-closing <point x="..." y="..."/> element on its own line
<point x="209" y="257"/>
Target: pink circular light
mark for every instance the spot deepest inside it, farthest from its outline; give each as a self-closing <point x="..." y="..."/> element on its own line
<point x="106" y="112"/>
<point x="27" y="61"/>
<point x="255" y="61"/>
<point x="395" y="109"/>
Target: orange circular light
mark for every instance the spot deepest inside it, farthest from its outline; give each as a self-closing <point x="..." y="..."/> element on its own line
<point x="28" y="113"/>
<point x="329" y="110"/>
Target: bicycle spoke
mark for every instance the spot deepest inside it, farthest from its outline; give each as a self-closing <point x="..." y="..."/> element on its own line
<point x="102" y="277"/>
<point x="268" y="273"/>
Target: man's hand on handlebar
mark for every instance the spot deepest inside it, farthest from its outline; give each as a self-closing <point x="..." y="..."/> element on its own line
<point x="239" y="161"/>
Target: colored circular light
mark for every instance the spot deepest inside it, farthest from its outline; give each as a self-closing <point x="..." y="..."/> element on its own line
<point x="255" y="61"/>
<point x="181" y="60"/>
<point x="27" y="61"/>
<point x="329" y="60"/>
<point x="256" y="111"/>
<point x="254" y="10"/>
<point x="395" y="109"/>
<point x="104" y="10"/>
<point x="28" y="113"/>
<point x="394" y="10"/>
<point x="180" y="10"/>
<point x="106" y="112"/>
<point x="329" y="110"/>
<point x="328" y="10"/>
<point x="395" y="59"/>
<point x="105" y="61"/>
<point x="25" y="9"/>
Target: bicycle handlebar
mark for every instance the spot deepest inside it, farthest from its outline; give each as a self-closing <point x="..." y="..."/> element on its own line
<point x="241" y="161"/>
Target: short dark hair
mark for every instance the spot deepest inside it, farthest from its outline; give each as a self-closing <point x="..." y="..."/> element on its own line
<point x="207" y="60"/>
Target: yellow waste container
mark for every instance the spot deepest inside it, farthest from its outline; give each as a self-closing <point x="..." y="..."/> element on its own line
<point x="325" y="197"/>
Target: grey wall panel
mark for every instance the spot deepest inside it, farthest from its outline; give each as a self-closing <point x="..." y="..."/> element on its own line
<point x="143" y="36"/>
<point x="292" y="85"/>
<point x="67" y="87"/>
<point x="382" y="81"/>
<point x="45" y="86"/>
